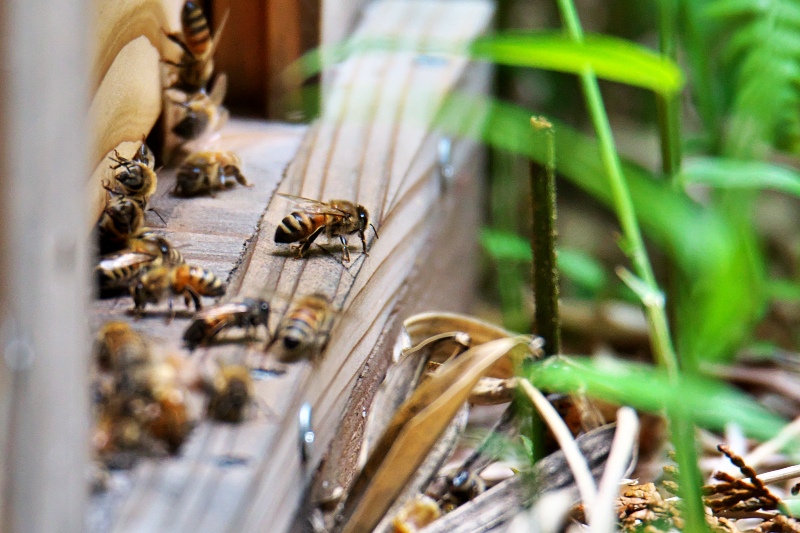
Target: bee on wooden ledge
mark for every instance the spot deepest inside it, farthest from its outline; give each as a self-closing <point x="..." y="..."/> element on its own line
<point x="185" y="280"/>
<point x="336" y="218"/>
<point x="137" y="178"/>
<point x="207" y="172"/>
<point x="201" y="113"/>
<point x="146" y="250"/>
<point x="304" y="330"/>
<point x="248" y="314"/>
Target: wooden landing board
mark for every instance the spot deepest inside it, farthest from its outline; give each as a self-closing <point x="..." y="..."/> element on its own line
<point x="373" y="145"/>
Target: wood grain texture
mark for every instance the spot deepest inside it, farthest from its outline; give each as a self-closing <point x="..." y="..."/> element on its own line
<point x="373" y="145"/>
<point x="128" y="101"/>
<point x="115" y="23"/>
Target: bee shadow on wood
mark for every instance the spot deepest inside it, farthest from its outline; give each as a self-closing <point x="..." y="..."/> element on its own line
<point x="162" y="313"/>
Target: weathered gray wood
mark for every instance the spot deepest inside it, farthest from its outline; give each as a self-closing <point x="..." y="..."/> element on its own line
<point x="373" y="145"/>
<point x="43" y="349"/>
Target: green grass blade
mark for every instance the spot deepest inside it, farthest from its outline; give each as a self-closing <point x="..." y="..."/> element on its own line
<point x="712" y="404"/>
<point x="610" y="58"/>
<point x="721" y="295"/>
<point x="723" y="173"/>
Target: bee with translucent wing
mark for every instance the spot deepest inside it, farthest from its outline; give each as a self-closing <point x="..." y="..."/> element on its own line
<point x="336" y="218"/>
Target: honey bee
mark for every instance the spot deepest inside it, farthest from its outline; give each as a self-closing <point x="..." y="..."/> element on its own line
<point x="187" y="280"/>
<point x="121" y="218"/>
<point x="148" y="241"/>
<point x="203" y="112"/>
<point x="119" y="347"/>
<point x="230" y="394"/>
<point x="151" y="419"/>
<point x="197" y="62"/>
<point x="137" y="179"/>
<point x="168" y="421"/>
<point x="336" y="218"/>
<point x="248" y="314"/>
<point x="305" y="327"/>
<point x="206" y="172"/>
<point x="146" y="250"/>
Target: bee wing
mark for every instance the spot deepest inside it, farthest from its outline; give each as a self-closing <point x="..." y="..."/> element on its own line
<point x="219" y="89"/>
<point x="314" y="206"/>
<point x="124" y="259"/>
<point x="223" y="309"/>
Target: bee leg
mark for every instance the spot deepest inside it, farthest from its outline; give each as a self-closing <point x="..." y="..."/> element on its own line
<point x="345" y="249"/>
<point x="171" y="314"/>
<point x="363" y="243"/>
<point x="309" y="241"/>
<point x="198" y="304"/>
<point x="233" y="170"/>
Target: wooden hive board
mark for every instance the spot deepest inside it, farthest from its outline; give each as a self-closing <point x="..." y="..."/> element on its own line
<point x="374" y="144"/>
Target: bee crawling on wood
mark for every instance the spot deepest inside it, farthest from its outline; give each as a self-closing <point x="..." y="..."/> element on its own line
<point x="120" y="350"/>
<point x="248" y="314"/>
<point x="121" y="218"/>
<point x="137" y="178"/>
<point x="202" y="112"/>
<point x="206" y="172"/>
<point x="336" y="218"/>
<point x="197" y="62"/>
<point x="187" y="280"/>
<point x="305" y="328"/>
<point x="230" y="393"/>
<point x="146" y="250"/>
<point x="142" y="405"/>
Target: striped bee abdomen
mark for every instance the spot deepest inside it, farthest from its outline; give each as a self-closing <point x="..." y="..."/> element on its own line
<point x="203" y="281"/>
<point x="195" y="28"/>
<point x="297" y="226"/>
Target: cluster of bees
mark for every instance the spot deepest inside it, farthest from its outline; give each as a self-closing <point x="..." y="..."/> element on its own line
<point x="141" y="400"/>
<point x="143" y="404"/>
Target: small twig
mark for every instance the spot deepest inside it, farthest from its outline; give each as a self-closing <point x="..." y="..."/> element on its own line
<point x="603" y="513"/>
<point x="575" y="459"/>
<point x="790" y="472"/>
<point x="543" y="237"/>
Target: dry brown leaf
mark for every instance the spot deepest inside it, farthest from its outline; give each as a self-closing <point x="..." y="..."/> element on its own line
<point x="401" y="380"/>
<point x="424" y="325"/>
<point x="414" y="429"/>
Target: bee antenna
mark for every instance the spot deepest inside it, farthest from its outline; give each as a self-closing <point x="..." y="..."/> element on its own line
<point x="371" y="225"/>
<point x="153" y="209"/>
<point x="107" y="186"/>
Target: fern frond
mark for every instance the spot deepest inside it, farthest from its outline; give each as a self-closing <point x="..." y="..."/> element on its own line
<point x="763" y="55"/>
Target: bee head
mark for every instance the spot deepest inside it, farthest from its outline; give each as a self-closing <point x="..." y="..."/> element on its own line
<point x="363" y="217"/>
<point x="123" y="211"/>
<point x="193" y="124"/>
<point x="131" y="177"/>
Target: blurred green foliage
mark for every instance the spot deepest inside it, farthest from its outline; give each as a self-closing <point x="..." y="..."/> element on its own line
<point x="712" y="403"/>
